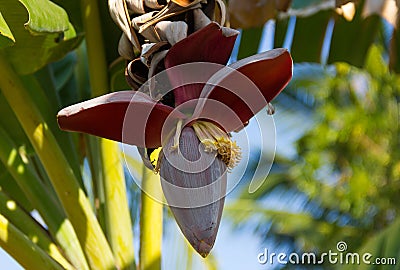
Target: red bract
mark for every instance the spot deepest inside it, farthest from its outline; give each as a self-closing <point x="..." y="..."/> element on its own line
<point x="103" y="116"/>
<point x="211" y="44"/>
<point x="232" y="95"/>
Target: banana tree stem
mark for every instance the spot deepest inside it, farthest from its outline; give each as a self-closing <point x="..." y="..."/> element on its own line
<point x="151" y="220"/>
<point x="33" y="230"/>
<point x="95" y="47"/>
<point x="43" y="200"/>
<point x="24" y="250"/>
<point x="72" y="197"/>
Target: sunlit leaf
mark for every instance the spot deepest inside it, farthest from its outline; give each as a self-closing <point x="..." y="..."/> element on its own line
<point x="48" y="106"/>
<point x="10" y="187"/>
<point x="27" y="253"/>
<point x="18" y="216"/>
<point x="31" y="52"/>
<point x="151" y="223"/>
<point x="59" y="171"/>
<point x="375" y="63"/>
<point x="6" y="37"/>
<point x="41" y="197"/>
<point x="44" y="16"/>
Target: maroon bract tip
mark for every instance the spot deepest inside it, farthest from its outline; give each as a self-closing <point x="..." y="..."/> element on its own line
<point x="270" y="71"/>
<point x="104" y="116"/>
